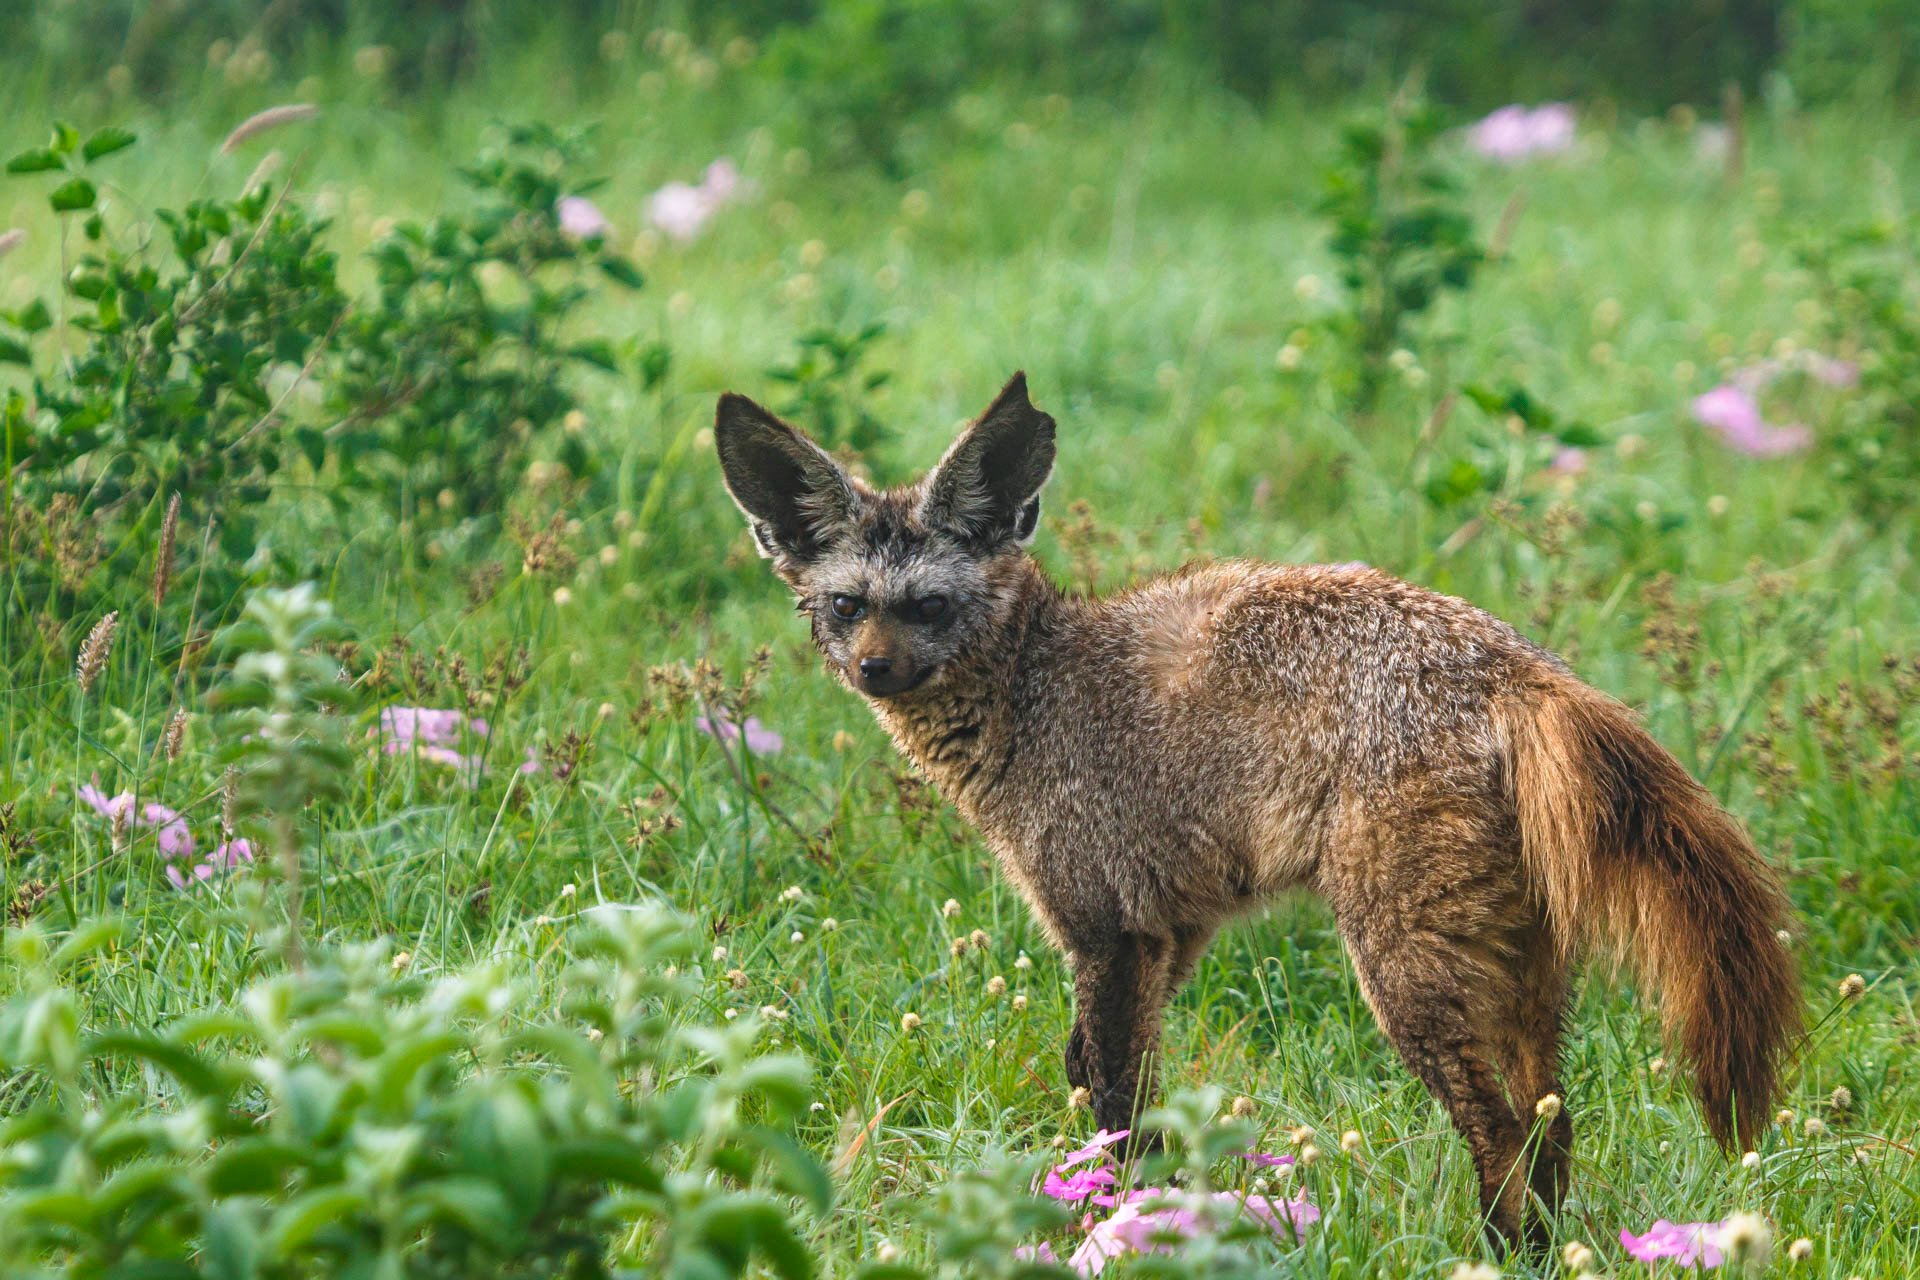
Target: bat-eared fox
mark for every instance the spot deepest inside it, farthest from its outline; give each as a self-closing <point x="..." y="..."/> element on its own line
<point x="1149" y="765"/>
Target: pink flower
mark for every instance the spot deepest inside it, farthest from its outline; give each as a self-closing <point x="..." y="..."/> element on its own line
<point x="430" y="733"/>
<point x="1153" y="1220"/>
<point x="174" y="839"/>
<point x="1042" y="1252"/>
<point x="1568" y="461"/>
<point x="230" y="856"/>
<point x="761" y="740"/>
<point x="681" y="210"/>
<point x="1514" y="133"/>
<point x="104" y="805"/>
<point x="1094" y="1149"/>
<point x="1264" y="1160"/>
<point x="581" y="219"/>
<point x="1733" y="412"/>
<point x="1077" y="1185"/>
<point x="1686" y="1243"/>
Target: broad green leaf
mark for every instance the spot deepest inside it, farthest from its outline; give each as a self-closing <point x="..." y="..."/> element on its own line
<point x="105" y="142"/>
<point x="38" y="160"/>
<point x="72" y="195"/>
<point x="298" y="1221"/>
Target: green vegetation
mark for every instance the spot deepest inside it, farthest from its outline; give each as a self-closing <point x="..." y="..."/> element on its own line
<point x="675" y="1001"/>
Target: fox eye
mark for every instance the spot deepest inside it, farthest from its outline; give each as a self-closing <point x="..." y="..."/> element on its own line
<point x="847" y="608"/>
<point x="927" y="608"/>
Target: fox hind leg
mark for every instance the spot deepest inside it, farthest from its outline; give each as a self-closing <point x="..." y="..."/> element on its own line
<point x="1435" y="918"/>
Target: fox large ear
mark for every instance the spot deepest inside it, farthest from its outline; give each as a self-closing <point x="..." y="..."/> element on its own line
<point x="796" y="498"/>
<point x="987" y="488"/>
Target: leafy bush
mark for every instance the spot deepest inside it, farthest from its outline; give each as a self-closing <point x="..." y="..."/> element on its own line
<point x="362" y="1121"/>
<point x="185" y="338"/>
<point x="1869" y="279"/>
<point x="445" y="379"/>
<point x="1399" y="233"/>
<point x="175" y="331"/>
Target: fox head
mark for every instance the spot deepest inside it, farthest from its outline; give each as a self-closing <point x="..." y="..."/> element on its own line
<point x="899" y="583"/>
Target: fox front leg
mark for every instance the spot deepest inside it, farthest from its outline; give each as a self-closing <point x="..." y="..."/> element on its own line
<point x="1119" y="991"/>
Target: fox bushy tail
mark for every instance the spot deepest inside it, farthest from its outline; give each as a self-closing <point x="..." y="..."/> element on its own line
<point x="1632" y="854"/>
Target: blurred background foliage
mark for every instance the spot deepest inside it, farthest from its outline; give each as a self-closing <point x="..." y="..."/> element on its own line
<point x="868" y="65"/>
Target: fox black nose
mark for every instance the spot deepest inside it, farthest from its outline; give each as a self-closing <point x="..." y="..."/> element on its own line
<point x="874" y="668"/>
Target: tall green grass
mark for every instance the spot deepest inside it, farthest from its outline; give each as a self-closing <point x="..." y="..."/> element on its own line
<point x="1144" y="260"/>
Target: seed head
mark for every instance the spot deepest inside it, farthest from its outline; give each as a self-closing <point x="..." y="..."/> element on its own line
<point x="737" y="979"/>
<point x="1350" y="1141"/>
<point x="1841" y="1102"/>
<point x="176" y="733"/>
<point x="401" y="959"/>
<point x="1800" y="1250"/>
<point x="1578" y="1257"/>
<point x="1081" y="1098"/>
<point x="1852" y="987"/>
<point x="262" y="121"/>
<point x="94" y="651"/>
<point x="163" y="563"/>
<point x="1242" y="1107"/>
<point x="1309" y="1154"/>
<point x="1751" y="1160"/>
<point x="979" y="940"/>
<point x="951" y="908"/>
<point x="957" y="948"/>
<point x="719" y="955"/>
<point x="1548" y="1107"/>
<point x="1476" y="1271"/>
<point x="909" y="1022"/>
<point x="1784" y="1118"/>
<point x="829" y="925"/>
<point x="1747" y="1239"/>
<point x="1024" y="962"/>
<point x="996" y="986"/>
<point x="792" y="893"/>
<point x="1020" y="1004"/>
<point x="1814" y="1127"/>
<point x="796" y="937"/>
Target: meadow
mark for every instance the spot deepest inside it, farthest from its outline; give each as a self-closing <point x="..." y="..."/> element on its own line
<point x="595" y="623"/>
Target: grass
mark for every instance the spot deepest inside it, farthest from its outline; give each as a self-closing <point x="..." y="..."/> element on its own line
<point x="1144" y="262"/>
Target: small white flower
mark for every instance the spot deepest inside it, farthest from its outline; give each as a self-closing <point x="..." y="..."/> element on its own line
<point x="829" y="925"/>
<point x="1548" y="1107"/>
<point x="909" y="1021"/>
<point x="1815" y="1126"/>
<point x="1852" y="987"/>
<point x="996" y="986"/>
<point x="1024" y="963"/>
<point x="1747" y="1238"/>
<point x="1020" y="1004"/>
<point x="792" y="893"/>
<point x="1751" y="1160"/>
<point x="1800" y="1250"/>
<point x="1080" y="1097"/>
<point x="796" y="937"/>
<point x="719" y="955"/>
<point x="1578" y="1257"/>
<point x="1350" y="1141"/>
<point x="887" y="1252"/>
<point x="595" y="1034"/>
<point x="950" y="908"/>
<point x="568" y="890"/>
<point x="1309" y="1154"/>
<point x="732" y="1014"/>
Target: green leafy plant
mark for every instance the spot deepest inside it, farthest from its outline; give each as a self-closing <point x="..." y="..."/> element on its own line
<point x="1869" y="282"/>
<point x="1517" y="436"/>
<point x="155" y="374"/>
<point x="1399" y="233"/>
<point x="358" y="1120"/>
<point x="448" y="379"/>
<point x="828" y="391"/>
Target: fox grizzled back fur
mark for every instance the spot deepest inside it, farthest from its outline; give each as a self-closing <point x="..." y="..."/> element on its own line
<point x="1147" y="765"/>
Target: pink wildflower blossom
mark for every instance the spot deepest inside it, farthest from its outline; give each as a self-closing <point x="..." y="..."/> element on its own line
<point x="230" y="856"/>
<point x="682" y="209"/>
<point x="761" y="740"/>
<point x="1514" y="133"/>
<point x="1687" y="1244"/>
<point x="581" y="219"/>
<point x="103" y="804"/>
<point x="1735" y="416"/>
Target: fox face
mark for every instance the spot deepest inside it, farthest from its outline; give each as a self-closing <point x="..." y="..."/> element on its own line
<point x="899" y="584"/>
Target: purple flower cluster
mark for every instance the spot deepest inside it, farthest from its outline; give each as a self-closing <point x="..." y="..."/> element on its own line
<point x="1732" y="409"/>
<point x="761" y="740"/>
<point x="1515" y="133"/>
<point x="1151" y="1219"/>
<point x="171" y="835"/>
<point x="682" y="209"/>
